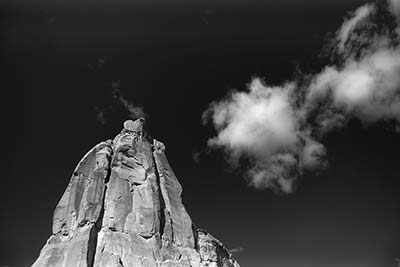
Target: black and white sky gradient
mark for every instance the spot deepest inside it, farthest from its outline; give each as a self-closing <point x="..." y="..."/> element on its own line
<point x="281" y="118"/>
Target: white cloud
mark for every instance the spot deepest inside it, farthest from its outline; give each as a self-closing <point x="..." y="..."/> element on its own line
<point x="277" y="128"/>
<point x="258" y="122"/>
<point x="348" y="26"/>
<point x="368" y="88"/>
<point x="263" y="126"/>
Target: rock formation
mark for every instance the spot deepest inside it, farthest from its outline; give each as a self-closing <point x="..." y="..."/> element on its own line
<point x="123" y="208"/>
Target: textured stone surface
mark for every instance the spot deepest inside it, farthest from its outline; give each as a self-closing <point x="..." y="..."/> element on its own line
<point x="123" y="207"/>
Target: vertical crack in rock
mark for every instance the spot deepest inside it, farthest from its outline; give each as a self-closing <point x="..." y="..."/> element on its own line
<point x="161" y="198"/>
<point x="94" y="231"/>
<point x="120" y="262"/>
<point x="196" y="238"/>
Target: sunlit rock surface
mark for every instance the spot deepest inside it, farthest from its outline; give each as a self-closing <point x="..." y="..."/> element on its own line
<point x="123" y="208"/>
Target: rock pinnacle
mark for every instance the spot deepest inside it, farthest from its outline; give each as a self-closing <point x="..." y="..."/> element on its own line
<point x="123" y="208"/>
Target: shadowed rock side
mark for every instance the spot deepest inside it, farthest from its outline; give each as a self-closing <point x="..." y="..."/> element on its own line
<point x="123" y="208"/>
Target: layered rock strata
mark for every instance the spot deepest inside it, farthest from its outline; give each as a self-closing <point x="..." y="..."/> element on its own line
<point x="123" y="208"/>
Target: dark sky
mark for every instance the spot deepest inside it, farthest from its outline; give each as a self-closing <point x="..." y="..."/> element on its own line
<point x="58" y="63"/>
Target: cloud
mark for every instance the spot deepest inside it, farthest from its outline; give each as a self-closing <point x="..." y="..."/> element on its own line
<point x="196" y="157"/>
<point x="248" y="121"/>
<point x="368" y="88"/>
<point x="275" y="132"/>
<point x="100" y="114"/>
<point x="236" y="250"/>
<point x="134" y="111"/>
<point x="394" y="6"/>
<point x="348" y="26"/>
<point x="120" y="104"/>
<point x="263" y="125"/>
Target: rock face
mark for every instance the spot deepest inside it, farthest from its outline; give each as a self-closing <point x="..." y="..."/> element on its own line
<point x="123" y="208"/>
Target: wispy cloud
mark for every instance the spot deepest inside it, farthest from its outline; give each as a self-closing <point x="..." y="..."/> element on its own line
<point x="347" y="30"/>
<point x="100" y="115"/>
<point x="119" y="103"/>
<point x="236" y="250"/>
<point x="277" y="129"/>
<point x="134" y="111"/>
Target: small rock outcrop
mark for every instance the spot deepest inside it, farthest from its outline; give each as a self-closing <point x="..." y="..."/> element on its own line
<point x="123" y="208"/>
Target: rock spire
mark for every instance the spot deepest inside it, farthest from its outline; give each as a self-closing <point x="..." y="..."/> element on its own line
<point x="123" y="208"/>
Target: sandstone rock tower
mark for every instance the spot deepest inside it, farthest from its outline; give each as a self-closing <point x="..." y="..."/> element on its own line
<point x="123" y="208"/>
